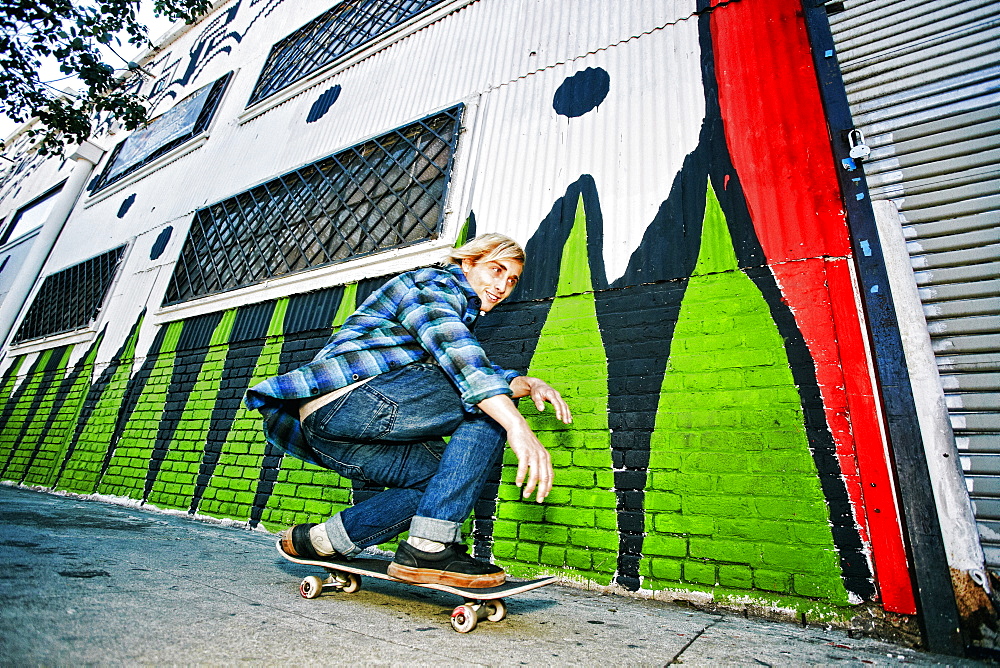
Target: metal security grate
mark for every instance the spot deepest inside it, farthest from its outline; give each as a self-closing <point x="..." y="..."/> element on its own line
<point x="324" y="39"/>
<point x="384" y="193"/>
<point x="70" y="299"/>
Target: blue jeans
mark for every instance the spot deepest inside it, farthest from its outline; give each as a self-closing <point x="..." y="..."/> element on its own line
<point x="389" y="433"/>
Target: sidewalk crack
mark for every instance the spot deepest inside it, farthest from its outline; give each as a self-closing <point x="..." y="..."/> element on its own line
<point x="675" y="659"/>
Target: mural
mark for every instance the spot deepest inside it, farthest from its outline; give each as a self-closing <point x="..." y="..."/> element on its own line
<point x="220" y="34"/>
<point x="725" y="443"/>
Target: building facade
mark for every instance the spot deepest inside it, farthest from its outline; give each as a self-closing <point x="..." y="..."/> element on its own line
<point x="701" y="286"/>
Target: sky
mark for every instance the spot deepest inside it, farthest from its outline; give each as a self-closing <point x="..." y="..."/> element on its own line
<point x="49" y="70"/>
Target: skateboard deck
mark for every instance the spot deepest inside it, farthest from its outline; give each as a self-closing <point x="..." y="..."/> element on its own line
<point x="480" y="602"/>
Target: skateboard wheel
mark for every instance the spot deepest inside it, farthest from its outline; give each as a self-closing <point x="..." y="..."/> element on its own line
<point x="311" y="587"/>
<point x="463" y="619"/>
<point x="496" y="610"/>
<point x="352" y="584"/>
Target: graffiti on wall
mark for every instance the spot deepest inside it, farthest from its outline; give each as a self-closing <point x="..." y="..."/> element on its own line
<point x="711" y="450"/>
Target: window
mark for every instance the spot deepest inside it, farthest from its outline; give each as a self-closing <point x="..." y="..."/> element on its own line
<point x="186" y="120"/>
<point x="343" y="28"/>
<point x="71" y="298"/>
<point x="31" y="215"/>
<point x="384" y="193"/>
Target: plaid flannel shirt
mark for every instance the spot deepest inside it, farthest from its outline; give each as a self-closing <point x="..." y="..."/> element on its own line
<point x="422" y="315"/>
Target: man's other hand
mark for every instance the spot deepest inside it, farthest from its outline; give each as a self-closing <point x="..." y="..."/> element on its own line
<point x="540" y="393"/>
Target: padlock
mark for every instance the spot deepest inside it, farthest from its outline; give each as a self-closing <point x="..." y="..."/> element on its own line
<point x="859" y="150"/>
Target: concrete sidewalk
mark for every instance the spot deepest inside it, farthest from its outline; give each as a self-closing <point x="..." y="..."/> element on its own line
<point x="85" y="582"/>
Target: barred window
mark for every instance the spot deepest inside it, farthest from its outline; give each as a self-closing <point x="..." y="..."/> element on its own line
<point x="346" y="26"/>
<point x="71" y="298"/>
<point x="384" y="193"/>
<point x="185" y="121"/>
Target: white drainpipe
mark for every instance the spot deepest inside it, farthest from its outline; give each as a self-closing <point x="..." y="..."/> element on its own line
<point x="87" y="156"/>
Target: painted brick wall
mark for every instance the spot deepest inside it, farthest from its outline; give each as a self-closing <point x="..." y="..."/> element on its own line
<point x="727" y="500"/>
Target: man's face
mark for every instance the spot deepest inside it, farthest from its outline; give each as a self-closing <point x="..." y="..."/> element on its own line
<point x="493" y="281"/>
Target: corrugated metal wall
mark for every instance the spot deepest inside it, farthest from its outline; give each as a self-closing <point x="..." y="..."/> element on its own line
<point x="923" y="80"/>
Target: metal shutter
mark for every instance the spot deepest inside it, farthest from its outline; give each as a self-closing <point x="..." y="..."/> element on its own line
<point x="923" y="81"/>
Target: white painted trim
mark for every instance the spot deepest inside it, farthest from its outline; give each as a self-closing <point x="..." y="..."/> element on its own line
<point x="146" y="170"/>
<point x="77" y="336"/>
<point x="353" y="57"/>
<point x="388" y="262"/>
<point x="30" y="234"/>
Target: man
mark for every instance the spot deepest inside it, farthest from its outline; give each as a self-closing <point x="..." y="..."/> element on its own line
<point x="403" y="372"/>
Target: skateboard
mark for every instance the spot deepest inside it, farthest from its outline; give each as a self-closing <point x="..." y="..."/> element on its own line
<point x="480" y="603"/>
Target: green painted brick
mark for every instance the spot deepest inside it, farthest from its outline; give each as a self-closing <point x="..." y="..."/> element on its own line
<point x="663" y="502"/>
<point x="730" y="469"/>
<point x="697" y="483"/>
<point x="570" y="516"/>
<point x="579" y="558"/>
<point x="769" y="580"/>
<point x="677" y="523"/>
<point x="543" y="533"/>
<point x="504" y="549"/>
<point x="809" y="534"/>
<point x="731" y="575"/>
<point x="508" y="492"/>
<point x="553" y="555"/>
<point x="527" y="552"/>
<point x="561" y="458"/>
<point x="310" y="492"/>
<point x="291" y="503"/>
<point x="558" y="496"/>
<point x="583" y="498"/>
<point x="665" y="546"/>
<point x="575" y="478"/>
<point x="593" y="538"/>
<point x="723" y="550"/>
<point x="797" y="558"/>
<point x="699" y="572"/>
<point x="591" y="458"/>
<point x="525" y="511"/>
<point x="605" y="479"/>
<point x="503" y="529"/>
<point x="789" y="509"/>
<point x="662" y="480"/>
<point x="724" y="506"/>
<point x="318" y="508"/>
<point x="762" y="529"/>
<point x="666" y="569"/>
<point x="816" y="586"/>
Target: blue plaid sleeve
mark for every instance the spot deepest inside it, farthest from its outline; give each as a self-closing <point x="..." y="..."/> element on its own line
<point x="439" y="318"/>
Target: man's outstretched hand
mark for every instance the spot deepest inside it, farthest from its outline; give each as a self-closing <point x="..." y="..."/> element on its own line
<point x="534" y="465"/>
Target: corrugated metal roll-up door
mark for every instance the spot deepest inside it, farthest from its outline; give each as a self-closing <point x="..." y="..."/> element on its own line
<point x="923" y="81"/>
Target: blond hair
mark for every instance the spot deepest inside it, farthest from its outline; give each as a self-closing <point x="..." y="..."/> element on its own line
<point x="487" y="248"/>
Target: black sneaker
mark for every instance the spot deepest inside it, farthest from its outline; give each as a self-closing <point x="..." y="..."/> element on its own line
<point x="295" y="542"/>
<point x="451" y="566"/>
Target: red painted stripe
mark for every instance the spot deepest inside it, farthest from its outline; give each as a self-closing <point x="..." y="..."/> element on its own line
<point x="778" y="141"/>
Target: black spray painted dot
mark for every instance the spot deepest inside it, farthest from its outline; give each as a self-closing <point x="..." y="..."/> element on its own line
<point x="323" y="104"/>
<point x="161" y="243"/>
<point x="582" y="92"/>
<point x="126" y="205"/>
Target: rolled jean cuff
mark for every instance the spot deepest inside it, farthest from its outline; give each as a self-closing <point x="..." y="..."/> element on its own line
<point x="339" y="539"/>
<point x="443" y="531"/>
